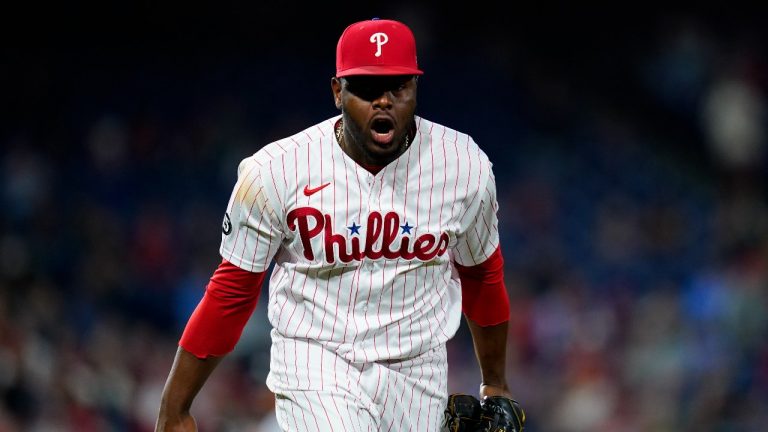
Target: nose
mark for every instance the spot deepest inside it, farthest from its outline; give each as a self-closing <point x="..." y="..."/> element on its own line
<point x="384" y="100"/>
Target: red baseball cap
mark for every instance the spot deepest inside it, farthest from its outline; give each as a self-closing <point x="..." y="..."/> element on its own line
<point x="376" y="47"/>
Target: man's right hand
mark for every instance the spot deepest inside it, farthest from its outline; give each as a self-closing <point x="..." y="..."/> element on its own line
<point x="179" y="423"/>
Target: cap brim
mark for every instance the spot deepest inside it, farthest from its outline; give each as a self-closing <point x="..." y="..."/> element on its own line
<point x="379" y="70"/>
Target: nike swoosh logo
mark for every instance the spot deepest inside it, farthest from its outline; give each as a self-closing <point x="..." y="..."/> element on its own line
<point x="309" y="191"/>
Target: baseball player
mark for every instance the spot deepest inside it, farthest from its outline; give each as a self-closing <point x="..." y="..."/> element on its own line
<point x="382" y="227"/>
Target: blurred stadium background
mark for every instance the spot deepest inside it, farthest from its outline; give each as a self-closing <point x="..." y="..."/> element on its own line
<point x="629" y="149"/>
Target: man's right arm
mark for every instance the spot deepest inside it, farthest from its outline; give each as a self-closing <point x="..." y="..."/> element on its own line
<point x="187" y="376"/>
<point x="250" y="237"/>
<point x="211" y="333"/>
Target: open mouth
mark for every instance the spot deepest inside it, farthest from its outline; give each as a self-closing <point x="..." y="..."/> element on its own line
<point x="382" y="130"/>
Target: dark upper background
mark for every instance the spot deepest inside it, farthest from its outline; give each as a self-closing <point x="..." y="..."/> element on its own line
<point x="629" y="148"/>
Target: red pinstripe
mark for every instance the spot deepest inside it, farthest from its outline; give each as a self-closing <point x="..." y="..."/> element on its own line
<point x="445" y="179"/>
<point x="338" y="292"/>
<point x="261" y="218"/>
<point x="397" y="262"/>
<point x="485" y="222"/>
<point x="294" y="416"/>
<point x="396" y="399"/>
<point x="405" y="216"/>
<point x="258" y="235"/>
<point x="314" y="294"/>
<point x="272" y="174"/>
<point x="280" y="144"/>
<point x="328" y="283"/>
<point x="309" y="404"/>
<point x="236" y="194"/>
<point x="290" y="318"/>
<point x="416" y="276"/>
<point x="458" y="175"/>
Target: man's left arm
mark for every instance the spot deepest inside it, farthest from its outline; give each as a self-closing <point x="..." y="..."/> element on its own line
<point x="491" y="350"/>
<point x="485" y="304"/>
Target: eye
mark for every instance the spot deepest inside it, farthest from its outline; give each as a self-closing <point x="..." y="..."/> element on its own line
<point x="372" y="87"/>
<point x="363" y="89"/>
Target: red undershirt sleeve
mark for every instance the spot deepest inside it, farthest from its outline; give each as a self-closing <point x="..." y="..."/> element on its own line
<point x="218" y="321"/>
<point x="484" y="297"/>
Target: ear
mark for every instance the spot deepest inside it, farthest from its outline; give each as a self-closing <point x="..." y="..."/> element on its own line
<point x="336" y="88"/>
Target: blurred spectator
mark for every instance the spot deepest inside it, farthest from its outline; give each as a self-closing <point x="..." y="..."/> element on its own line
<point x="735" y="118"/>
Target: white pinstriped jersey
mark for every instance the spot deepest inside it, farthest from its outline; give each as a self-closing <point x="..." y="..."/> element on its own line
<point x="362" y="260"/>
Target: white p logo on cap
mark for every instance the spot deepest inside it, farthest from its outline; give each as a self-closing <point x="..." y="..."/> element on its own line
<point x="379" y="39"/>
